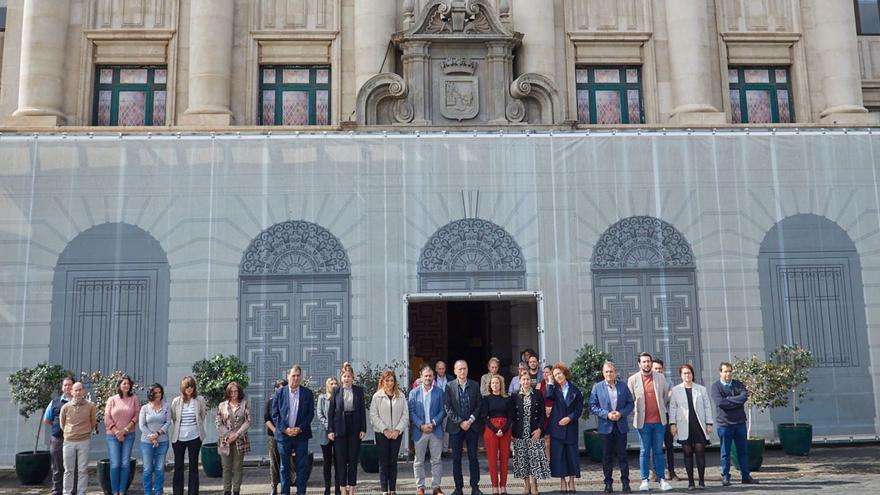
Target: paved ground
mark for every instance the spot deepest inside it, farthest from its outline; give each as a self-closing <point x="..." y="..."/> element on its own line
<point x="829" y="470"/>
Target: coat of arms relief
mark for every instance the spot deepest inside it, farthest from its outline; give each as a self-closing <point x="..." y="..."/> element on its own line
<point x="461" y="89"/>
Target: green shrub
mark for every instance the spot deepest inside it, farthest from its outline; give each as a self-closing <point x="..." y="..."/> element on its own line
<point x="586" y="371"/>
<point x="214" y="374"/>
<point x="33" y="388"/>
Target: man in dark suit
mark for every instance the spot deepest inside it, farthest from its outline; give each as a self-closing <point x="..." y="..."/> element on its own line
<point x="612" y="403"/>
<point x="462" y="411"/>
<point x="293" y="409"/>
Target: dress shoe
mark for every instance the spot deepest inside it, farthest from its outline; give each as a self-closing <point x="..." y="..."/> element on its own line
<point x="725" y="481"/>
<point x="457" y="491"/>
<point x="476" y="491"/>
<point x="750" y="481"/>
<point x="625" y="488"/>
<point x="608" y="488"/>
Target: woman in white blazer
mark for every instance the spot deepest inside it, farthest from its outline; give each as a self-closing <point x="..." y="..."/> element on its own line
<point x="389" y="415"/>
<point x="690" y="419"/>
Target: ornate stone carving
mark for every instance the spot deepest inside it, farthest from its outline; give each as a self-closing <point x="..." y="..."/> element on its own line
<point x="295" y="248"/>
<point x="132" y="14"/>
<point x="547" y="108"/>
<point x="457" y="59"/>
<point x="383" y="89"/>
<point x="642" y="242"/>
<point x="471" y="245"/>
<point x="461" y="89"/>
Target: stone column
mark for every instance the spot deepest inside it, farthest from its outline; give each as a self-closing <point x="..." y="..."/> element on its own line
<point x="833" y="60"/>
<point x="499" y="57"/>
<point x="416" y="72"/>
<point x="690" y="63"/>
<point x="210" y="63"/>
<point x="374" y="23"/>
<point x="536" y="20"/>
<point x="41" y="72"/>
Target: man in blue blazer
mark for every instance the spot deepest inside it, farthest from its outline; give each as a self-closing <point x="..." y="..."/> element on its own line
<point x="612" y="402"/>
<point x="293" y="409"/>
<point x="426" y="413"/>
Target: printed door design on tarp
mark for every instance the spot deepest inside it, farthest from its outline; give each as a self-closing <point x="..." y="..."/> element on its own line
<point x="295" y="297"/>
<point x="811" y="295"/>
<point x="644" y="296"/>
<point x="110" y="304"/>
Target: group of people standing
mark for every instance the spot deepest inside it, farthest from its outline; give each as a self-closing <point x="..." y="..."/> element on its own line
<point x="685" y="413"/>
<point x="535" y="420"/>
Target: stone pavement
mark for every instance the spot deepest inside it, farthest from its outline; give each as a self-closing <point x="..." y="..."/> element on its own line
<point x="830" y="470"/>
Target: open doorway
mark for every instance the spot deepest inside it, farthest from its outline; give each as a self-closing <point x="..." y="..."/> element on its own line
<point x="473" y="330"/>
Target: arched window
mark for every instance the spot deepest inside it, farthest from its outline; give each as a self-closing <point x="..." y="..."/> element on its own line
<point x="471" y="254"/>
<point x="644" y="294"/>
<point x="110" y="303"/>
<point x="294" y="307"/>
<point x="812" y="295"/>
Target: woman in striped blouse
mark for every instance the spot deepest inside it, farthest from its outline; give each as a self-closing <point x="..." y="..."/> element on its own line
<point x="187" y="431"/>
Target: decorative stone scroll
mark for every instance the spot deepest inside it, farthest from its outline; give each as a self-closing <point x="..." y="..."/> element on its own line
<point x="295" y="248"/>
<point x="642" y="242"/>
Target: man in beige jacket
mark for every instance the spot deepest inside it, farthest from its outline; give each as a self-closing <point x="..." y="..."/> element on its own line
<point x="650" y="394"/>
<point x="78" y="420"/>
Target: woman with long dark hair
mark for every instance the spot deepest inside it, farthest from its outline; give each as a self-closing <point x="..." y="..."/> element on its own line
<point x="120" y="419"/>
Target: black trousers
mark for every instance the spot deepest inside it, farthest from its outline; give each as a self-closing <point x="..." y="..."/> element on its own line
<point x="191" y="448"/>
<point x="388" y="450"/>
<point x="348" y="451"/>
<point x="458" y="442"/>
<point x="669" y="447"/>
<point x="614" y="444"/>
<point x="329" y="460"/>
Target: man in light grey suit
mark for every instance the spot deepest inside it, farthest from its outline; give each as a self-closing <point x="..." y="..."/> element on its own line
<point x="650" y="394"/>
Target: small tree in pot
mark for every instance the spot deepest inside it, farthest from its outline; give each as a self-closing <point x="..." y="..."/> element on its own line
<point x="31" y="390"/>
<point x="101" y="387"/>
<point x="586" y="371"/>
<point x="767" y="385"/>
<point x="212" y="376"/>
<point x="796" y="438"/>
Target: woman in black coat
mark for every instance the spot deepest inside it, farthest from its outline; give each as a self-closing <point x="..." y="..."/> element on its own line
<point x="529" y="461"/>
<point x="347" y="427"/>
<point x="568" y="404"/>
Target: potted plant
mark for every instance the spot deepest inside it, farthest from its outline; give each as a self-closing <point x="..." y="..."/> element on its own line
<point x="368" y="377"/>
<point x="767" y="384"/>
<point x="212" y="376"/>
<point x="586" y="371"/>
<point x="796" y="438"/>
<point x="32" y="389"/>
<point x="101" y="387"/>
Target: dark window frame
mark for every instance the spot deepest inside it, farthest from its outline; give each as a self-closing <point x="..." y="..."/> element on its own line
<point x="771" y="87"/>
<point x="116" y="87"/>
<point x="859" y="18"/>
<point x="279" y="87"/>
<point x="591" y="86"/>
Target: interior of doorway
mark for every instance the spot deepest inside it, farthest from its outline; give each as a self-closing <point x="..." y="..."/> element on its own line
<point x="473" y="331"/>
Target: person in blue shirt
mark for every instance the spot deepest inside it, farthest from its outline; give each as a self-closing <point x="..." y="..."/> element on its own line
<point x="293" y="409"/>
<point x="426" y="415"/>
<point x="56" y="444"/>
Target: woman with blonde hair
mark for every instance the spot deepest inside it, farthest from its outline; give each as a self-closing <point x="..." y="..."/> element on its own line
<point x="347" y="427"/>
<point x="496" y="411"/>
<point x="233" y="421"/>
<point x="389" y="415"/>
<point x="492" y="366"/>
<point x="326" y="444"/>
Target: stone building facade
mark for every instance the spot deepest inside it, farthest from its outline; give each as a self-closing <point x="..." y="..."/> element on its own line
<point x="378" y="180"/>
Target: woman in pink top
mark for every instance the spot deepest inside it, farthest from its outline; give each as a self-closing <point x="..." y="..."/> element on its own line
<point x="120" y="418"/>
